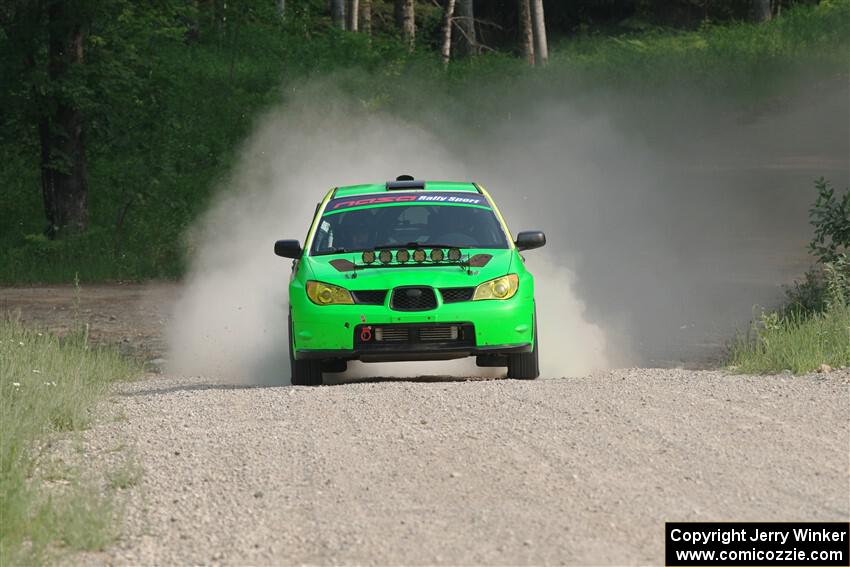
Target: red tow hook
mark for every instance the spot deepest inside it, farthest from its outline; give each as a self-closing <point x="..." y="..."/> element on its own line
<point x="366" y="334"/>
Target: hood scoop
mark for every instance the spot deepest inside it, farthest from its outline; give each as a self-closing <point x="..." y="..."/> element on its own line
<point x="480" y="260"/>
<point x="343" y="265"/>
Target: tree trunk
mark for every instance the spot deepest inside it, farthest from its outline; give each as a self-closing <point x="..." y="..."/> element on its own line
<point x="338" y="13"/>
<point x="352" y="15"/>
<point x="446" y="41"/>
<point x="526" y="35"/>
<point x="63" y="158"/>
<point x="281" y="8"/>
<point x="398" y="13"/>
<point x="408" y="22"/>
<point x="761" y="10"/>
<point x="538" y="26"/>
<point x="467" y="42"/>
<point x="366" y="16"/>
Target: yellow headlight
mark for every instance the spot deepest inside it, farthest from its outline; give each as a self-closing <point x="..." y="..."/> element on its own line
<point x="499" y="288"/>
<point x="326" y="294"/>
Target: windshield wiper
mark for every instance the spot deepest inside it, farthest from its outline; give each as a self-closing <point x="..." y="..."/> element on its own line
<point x="417" y="245"/>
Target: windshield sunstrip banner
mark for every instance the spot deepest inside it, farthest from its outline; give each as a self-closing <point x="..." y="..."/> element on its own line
<point x="430" y="198"/>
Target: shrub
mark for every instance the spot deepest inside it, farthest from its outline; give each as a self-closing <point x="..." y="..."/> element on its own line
<point x="830" y="215"/>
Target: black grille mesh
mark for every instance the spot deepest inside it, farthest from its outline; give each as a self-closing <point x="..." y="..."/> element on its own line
<point x="455" y="294"/>
<point x="439" y="333"/>
<point x="413" y="299"/>
<point x="370" y="296"/>
<point x="412" y="336"/>
<point x="391" y="334"/>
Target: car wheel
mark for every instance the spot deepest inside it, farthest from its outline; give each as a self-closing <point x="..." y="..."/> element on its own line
<point x="304" y="372"/>
<point x="525" y="365"/>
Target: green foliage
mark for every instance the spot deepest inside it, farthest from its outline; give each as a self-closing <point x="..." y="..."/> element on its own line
<point x="830" y="216"/>
<point x="165" y="116"/>
<point x="807" y="296"/>
<point x="732" y="59"/>
<point x="49" y="385"/>
<point x="169" y="91"/>
<point x="837" y="282"/>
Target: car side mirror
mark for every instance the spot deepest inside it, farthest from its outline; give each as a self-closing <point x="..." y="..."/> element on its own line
<point x="530" y="239"/>
<point x="288" y="249"/>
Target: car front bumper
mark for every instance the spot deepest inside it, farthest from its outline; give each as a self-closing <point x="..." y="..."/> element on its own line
<point x="333" y="331"/>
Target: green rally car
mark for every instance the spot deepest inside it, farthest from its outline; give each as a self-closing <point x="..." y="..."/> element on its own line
<point x="410" y="270"/>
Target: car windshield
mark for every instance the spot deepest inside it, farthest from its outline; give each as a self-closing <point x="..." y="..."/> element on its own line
<point x="448" y="226"/>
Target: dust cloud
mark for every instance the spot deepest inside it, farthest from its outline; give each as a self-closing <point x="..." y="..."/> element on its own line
<point x="667" y="220"/>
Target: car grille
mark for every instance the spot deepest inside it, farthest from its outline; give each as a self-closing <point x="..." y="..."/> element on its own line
<point x="455" y="294"/>
<point x="392" y="334"/>
<point x="438" y="333"/>
<point x="370" y="296"/>
<point x="413" y="299"/>
<point x="404" y="336"/>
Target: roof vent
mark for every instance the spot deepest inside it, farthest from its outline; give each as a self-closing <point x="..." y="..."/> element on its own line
<point x="403" y="182"/>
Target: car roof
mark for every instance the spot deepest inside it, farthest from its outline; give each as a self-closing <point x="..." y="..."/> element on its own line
<point x="368" y="188"/>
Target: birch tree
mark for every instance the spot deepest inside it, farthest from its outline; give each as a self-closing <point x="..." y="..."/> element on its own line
<point x="538" y="26"/>
<point x="352" y="15"/>
<point x="446" y="40"/>
<point x="526" y="35"/>
<point x="366" y="16"/>
<point x="408" y="22"/>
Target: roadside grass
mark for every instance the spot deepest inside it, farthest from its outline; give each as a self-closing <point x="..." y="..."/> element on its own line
<point x="49" y="385"/>
<point x="798" y="339"/>
<point x="795" y="341"/>
<point x="128" y="475"/>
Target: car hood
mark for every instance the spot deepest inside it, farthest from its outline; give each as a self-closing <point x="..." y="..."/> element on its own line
<point x="427" y="274"/>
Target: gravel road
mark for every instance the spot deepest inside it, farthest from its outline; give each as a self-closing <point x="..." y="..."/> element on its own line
<point x="570" y="470"/>
<point x="581" y="470"/>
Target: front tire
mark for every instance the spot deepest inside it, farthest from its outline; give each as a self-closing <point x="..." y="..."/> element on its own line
<point x="525" y="365"/>
<point x="304" y="372"/>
